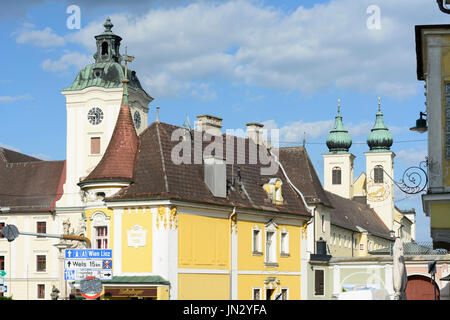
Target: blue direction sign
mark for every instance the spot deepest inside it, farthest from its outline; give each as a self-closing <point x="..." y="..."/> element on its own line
<point x="88" y="253"/>
<point x="82" y="263"/>
<point x="69" y="274"/>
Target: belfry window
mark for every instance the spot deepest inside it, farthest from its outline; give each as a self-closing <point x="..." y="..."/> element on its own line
<point x="378" y="174"/>
<point x="104" y="48"/>
<point x="336" y="175"/>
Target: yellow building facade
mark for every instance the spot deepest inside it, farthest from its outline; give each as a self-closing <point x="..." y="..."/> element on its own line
<point x="203" y="253"/>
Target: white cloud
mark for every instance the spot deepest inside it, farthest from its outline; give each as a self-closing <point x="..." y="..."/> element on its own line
<point x="40" y="38"/>
<point x="295" y="131"/>
<point x="11" y="99"/>
<point x="411" y="156"/>
<point x="70" y="59"/>
<point x="306" y="50"/>
<point x="2" y="145"/>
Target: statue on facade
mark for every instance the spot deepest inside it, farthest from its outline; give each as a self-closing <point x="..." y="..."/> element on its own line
<point x="55" y="293"/>
<point x="80" y="231"/>
<point x="400" y="277"/>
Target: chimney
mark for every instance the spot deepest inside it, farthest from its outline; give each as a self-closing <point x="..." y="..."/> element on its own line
<point x="255" y="132"/>
<point x="209" y="124"/>
<point x="215" y="175"/>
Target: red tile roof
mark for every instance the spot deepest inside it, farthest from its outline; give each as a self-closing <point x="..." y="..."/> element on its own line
<point x="118" y="162"/>
<point x="28" y="184"/>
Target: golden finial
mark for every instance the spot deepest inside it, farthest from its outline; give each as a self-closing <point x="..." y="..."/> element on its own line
<point x="339" y="105"/>
<point x="379" y="103"/>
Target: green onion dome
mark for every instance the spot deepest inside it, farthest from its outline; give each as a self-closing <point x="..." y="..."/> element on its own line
<point x="339" y="140"/>
<point x="379" y="139"/>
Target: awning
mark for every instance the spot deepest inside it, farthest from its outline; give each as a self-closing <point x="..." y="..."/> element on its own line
<point x="133" y="286"/>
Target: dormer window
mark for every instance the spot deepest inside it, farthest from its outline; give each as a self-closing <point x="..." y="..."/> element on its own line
<point x="273" y="190"/>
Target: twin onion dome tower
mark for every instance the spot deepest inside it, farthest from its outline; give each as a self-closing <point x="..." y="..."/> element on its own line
<point x="375" y="185"/>
<point x="379" y="139"/>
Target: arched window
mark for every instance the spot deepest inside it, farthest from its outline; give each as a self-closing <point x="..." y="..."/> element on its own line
<point x="336" y="179"/>
<point x="378" y="174"/>
<point x="104" y="48"/>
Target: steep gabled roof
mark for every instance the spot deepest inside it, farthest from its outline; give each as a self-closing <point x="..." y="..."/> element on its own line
<point x="28" y="184"/>
<point x="157" y="176"/>
<point x="301" y="172"/>
<point x="11" y="156"/>
<point x="350" y="214"/>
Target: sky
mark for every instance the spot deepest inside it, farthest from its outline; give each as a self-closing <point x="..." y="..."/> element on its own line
<point x="282" y="63"/>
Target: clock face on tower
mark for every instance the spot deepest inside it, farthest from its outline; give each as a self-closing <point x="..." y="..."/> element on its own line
<point x="137" y="119"/>
<point x="95" y="116"/>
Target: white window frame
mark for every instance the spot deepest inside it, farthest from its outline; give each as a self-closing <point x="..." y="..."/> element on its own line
<point x="260" y="293"/>
<point x="41" y="253"/>
<point x="258" y="245"/>
<point x="100" y="219"/>
<point x="96" y="135"/>
<point x="287" y="292"/>
<point x="314" y="281"/>
<point x="46" y="229"/>
<point x="285" y="246"/>
<point x="271" y="228"/>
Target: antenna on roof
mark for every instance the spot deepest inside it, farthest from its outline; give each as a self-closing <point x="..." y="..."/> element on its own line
<point x="157" y="113"/>
<point x="304" y="139"/>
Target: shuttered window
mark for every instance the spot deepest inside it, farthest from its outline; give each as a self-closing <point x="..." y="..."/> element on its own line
<point x="336" y="178"/>
<point x="378" y="174"/>
<point x="95" y="145"/>
<point x="318" y="282"/>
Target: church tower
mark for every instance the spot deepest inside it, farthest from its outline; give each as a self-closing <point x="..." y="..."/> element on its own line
<point x="338" y="162"/>
<point x="380" y="170"/>
<point x="93" y="102"/>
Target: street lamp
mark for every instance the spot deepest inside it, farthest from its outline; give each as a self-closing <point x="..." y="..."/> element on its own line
<point x="421" y="124"/>
<point x="442" y="5"/>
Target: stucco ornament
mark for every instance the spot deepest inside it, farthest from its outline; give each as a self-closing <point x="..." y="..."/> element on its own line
<point x="399" y="275"/>
<point x="73" y="244"/>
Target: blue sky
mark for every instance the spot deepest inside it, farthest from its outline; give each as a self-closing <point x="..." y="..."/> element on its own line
<point x="283" y="63"/>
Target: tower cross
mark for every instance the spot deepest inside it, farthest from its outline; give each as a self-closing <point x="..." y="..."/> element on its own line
<point x="127" y="58"/>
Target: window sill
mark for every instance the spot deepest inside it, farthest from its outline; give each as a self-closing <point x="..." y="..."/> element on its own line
<point x="284" y="254"/>
<point x="271" y="264"/>
<point x="257" y="253"/>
